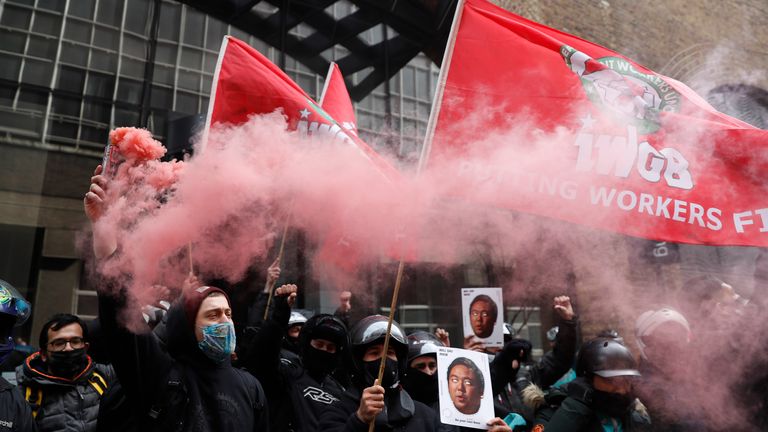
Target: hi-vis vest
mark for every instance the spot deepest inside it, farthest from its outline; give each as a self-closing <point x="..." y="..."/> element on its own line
<point x="34" y="394"/>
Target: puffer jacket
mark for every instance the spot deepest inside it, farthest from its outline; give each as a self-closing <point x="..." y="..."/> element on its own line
<point x="15" y="414"/>
<point x="62" y="404"/>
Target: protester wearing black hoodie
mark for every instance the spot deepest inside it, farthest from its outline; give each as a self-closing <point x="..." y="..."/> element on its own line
<point x="192" y="386"/>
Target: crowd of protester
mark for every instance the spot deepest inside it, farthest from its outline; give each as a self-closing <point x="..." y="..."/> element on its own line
<point x="194" y="368"/>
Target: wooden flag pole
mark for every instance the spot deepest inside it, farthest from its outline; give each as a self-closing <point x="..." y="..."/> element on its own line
<point x="392" y="307"/>
<point x="189" y="255"/>
<point x="278" y="260"/>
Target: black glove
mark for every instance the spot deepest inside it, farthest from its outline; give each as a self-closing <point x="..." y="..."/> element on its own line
<point x="581" y="389"/>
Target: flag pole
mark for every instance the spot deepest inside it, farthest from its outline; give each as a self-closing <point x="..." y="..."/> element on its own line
<point x="189" y="255"/>
<point x="279" y="258"/>
<point x="422" y="162"/>
<point x="440" y="89"/>
<point x="392" y="308"/>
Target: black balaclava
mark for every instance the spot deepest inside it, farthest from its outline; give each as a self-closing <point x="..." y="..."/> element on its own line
<point x="421" y="387"/>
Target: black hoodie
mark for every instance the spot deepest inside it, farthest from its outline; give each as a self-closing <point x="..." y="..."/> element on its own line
<point x="181" y="388"/>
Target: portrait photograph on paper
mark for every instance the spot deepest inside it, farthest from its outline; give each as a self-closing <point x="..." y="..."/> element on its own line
<point x="483" y="316"/>
<point x="464" y="379"/>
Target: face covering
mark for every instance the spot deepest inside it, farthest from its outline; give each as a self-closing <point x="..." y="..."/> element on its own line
<point x="391" y="377"/>
<point x="319" y="363"/>
<point x="6" y="348"/>
<point x="420" y="386"/>
<point x="613" y="404"/>
<point x="218" y="342"/>
<point x="67" y="364"/>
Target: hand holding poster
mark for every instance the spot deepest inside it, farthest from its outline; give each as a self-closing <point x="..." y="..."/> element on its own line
<point x="483" y="316"/>
<point x="466" y="397"/>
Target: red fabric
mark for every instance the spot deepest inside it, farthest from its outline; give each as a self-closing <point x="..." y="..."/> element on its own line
<point x="508" y="73"/>
<point x="249" y="83"/>
<point x="336" y="101"/>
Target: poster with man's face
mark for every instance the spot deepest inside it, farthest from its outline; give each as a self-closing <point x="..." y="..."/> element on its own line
<point x="483" y="315"/>
<point x="464" y="380"/>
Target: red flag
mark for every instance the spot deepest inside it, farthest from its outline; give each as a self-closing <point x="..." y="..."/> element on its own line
<point x="606" y="142"/>
<point x="246" y="83"/>
<point x="335" y="99"/>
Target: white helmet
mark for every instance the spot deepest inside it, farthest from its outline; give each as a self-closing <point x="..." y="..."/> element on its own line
<point x="650" y="320"/>
<point x="296" y="318"/>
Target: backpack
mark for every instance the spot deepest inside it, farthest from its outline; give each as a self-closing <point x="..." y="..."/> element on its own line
<point x="33" y="394"/>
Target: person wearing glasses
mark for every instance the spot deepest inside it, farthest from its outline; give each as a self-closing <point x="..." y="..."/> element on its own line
<point x="61" y="383"/>
<point x="482" y="314"/>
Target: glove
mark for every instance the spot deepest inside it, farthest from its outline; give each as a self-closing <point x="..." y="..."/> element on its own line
<point x="581" y="389"/>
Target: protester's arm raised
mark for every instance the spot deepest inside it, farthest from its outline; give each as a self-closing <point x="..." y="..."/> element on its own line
<point x="95" y="205"/>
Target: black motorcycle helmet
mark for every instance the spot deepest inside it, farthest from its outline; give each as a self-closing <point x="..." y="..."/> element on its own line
<point x="421" y="343"/>
<point x="323" y="326"/>
<point x="371" y="330"/>
<point x="605" y="357"/>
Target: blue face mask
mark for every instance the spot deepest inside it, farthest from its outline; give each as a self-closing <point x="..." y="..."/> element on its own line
<point x="218" y="342"/>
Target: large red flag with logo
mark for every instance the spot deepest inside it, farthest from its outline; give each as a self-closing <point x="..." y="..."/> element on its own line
<point x="335" y="99"/>
<point x="539" y="121"/>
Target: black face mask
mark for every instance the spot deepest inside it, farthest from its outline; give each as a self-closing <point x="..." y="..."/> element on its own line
<point x="391" y="375"/>
<point x="613" y="404"/>
<point x="420" y="386"/>
<point x="67" y="364"/>
<point x="319" y="363"/>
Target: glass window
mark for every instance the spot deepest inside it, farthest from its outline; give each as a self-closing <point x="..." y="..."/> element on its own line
<point x="210" y="62"/>
<point x="186" y="102"/>
<point x="12" y="40"/>
<point x="189" y="80"/>
<point x="132" y="68"/>
<point x="63" y="129"/>
<point x="56" y="5"/>
<point x="409" y="86"/>
<point x="216" y="32"/>
<point x="170" y="18"/>
<point x="422" y="86"/>
<point x="33" y="99"/>
<point x="138" y="19"/>
<point x="106" y="38"/>
<point x="193" y="27"/>
<point x="126" y="117"/>
<point x="37" y="72"/>
<point x="191" y="58"/>
<point x="207" y="82"/>
<point x="74" y="54"/>
<point x="94" y="134"/>
<point x="11" y="65"/>
<point x="161" y="97"/>
<point x="7" y="93"/>
<point x="81" y="8"/>
<point x="47" y="23"/>
<point x="66" y="106"/>
<point x="104" y="61"/>
<point x="134" y="46"/>
<point x="163" y="75"/>
<point x="71" y="79"/>
<point x="110" y="12"/>
<point x="17" y="17"/>
<point x="308" y="83"/>
<point x="129" y="91"/>
<point x="42" y="47"/>
<point x="98" y="112"/>
<point x="100" y="85"/>
<point x="78" y="31"/>
<point x="165" y="53"/>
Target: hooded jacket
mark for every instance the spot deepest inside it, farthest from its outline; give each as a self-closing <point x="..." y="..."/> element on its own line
<point x="65" y="404"/>
<point x="15" y="413"/>
<point x="180" y="389"/>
